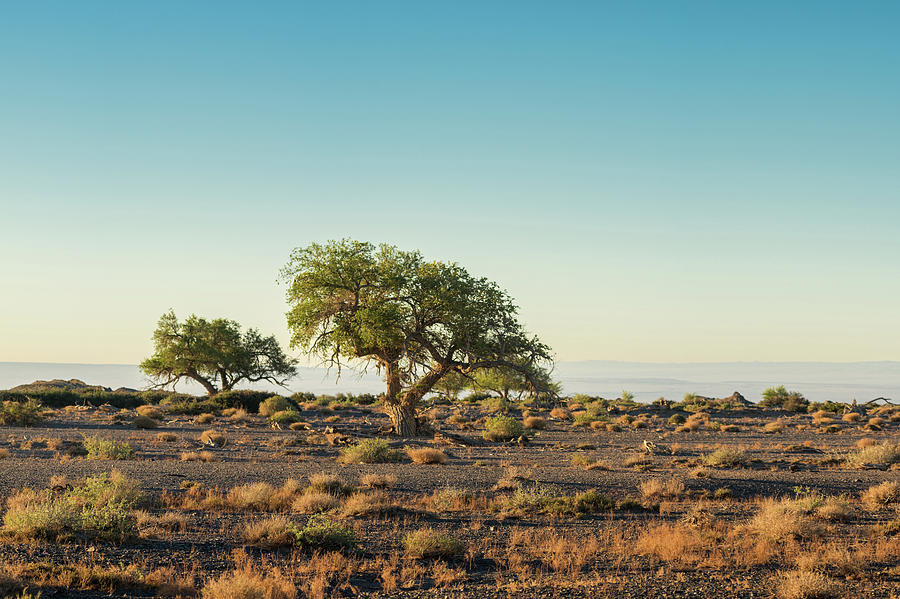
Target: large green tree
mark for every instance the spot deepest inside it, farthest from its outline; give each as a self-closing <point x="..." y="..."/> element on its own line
<point x="417" y="321"/>
<point x="214" y="353"/>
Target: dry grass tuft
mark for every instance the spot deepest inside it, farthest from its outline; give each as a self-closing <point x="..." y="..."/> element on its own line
<point x="560" y="414"/>
<point x="428" y="543"/>
<point x="535" y="423"/>
<point x="656" y="488"/>
<point x="364" y="504"/>
<point x="776" y="426"/>
<point x="150" y="412"/>
<point x="313" y="502"/>
<point x="884" y="454"/>
<point x="269" y="533"/>
<point x="779" y="520"/>
<point x="427" y="455"/>
<point x="166" y="437"/>
<point x="671" y="543"/>
<point x="726" y="458"/>
<point x="886" y="493"/>
<point x="378" y="481"/>
<point x="248" y="581"/>
<point x="213" y="438"/>
<point x="801" y="584"/>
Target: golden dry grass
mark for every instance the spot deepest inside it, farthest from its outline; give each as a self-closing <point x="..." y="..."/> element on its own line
<point x="427" y="455"/>
<point x="214" y="438"/>
<point x="313" y="502"/>
<point x="250" y="581"/>
<point x="881" y="495"/>
<point x="803" y="584"/>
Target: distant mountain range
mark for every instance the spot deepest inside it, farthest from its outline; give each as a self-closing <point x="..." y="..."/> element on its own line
<point x="818" y="381"/>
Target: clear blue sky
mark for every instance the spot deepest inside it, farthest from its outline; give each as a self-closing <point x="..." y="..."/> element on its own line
<point x="662" y="181"/>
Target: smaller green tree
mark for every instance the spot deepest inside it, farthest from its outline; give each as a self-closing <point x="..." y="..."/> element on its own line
<point x="214" y="353"/>
<point x="779" y="397"/>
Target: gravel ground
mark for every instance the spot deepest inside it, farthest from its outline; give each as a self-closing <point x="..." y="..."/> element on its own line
<point x="800" y="457"/>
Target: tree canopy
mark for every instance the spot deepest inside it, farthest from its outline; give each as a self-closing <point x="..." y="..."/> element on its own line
<point x="416" y="320"/>
<point x="214" y="353"/>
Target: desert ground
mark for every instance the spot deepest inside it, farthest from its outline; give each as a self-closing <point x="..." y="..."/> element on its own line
<point x="317" y="499"/>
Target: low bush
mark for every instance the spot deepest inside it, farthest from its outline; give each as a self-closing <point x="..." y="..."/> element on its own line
<point x="502" y="428"/>
<point x="322" y="534"/>
<point x="144" y="422"/>
<point x="285" y="417"/>
<point x="883" y="494"/>
<point x="726" y="458"/>
<point x="213" y="438"/>
<point x="325" y="482"/>
<point x="99" y="448"/>
<point x="428" y="543"/>
<point x="25" y="413"/>
<point x="535" y="423"/>
<point x="101" y="507"/>
<point x="250" y="582"/>
<point x="427" y="455"/>
<point x="779" y="397"/>
<point x="369" y="451"/>
<point x="273" y="405"/>
<point x="270" y="533"/>
<point x="883" y="454"/>
<point x="150" y="412"/>
<point x="805" y="584"/>
<point x="313" y="502"/>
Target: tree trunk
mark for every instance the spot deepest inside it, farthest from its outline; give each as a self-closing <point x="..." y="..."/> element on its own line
<point x="403" y="417"/>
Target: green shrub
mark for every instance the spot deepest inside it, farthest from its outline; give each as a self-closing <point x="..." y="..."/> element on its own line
<point x="369" y="451"/>
<point x="586" y="502"/>
<point x="779" y="397"/>
<point x="676" y="419"/>
<point x="26" y="413"/>
<point x="99" y="448"/>
<point x="101" y="507"/>
<point x="502" y="428"/>
<point x="273" y="405"/>
<point x="242" y="400"/>
<point x="726" y="458"/>
<point x="320" y="533"/>
<point x="285" y="417"/>
<point x="427" y="543"/>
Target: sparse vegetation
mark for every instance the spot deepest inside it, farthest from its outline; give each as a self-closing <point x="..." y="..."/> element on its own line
<point x="428" y="543"/>
<point x="99" y="448"/>
<point x="369" y="451"/>
<point x="502" y="428"/>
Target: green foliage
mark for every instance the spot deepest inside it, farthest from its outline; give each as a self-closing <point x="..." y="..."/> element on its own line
<point x="243" y="399"/>
<point x="416" y="320"/>
<point x="779" y="397"/>
<point x="586" y="502"/>
<point x="427" y="543"/>
<point x="502" y="428"/>
<point x="214" y="353"/>
<point x="675" y="419"/>
<point x="726" y="458"/>
<point x="322" y="534"/>
<point x="99" y="448"/>
<point x="828" y="406"/>
<point x="99" y="508"/>
<point x="541" y="500"/>
<point x="26" y="413"/>
<point x="274" y="404"/>
<point x="369" y="451"/>
<point x="285" y="416"/>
